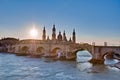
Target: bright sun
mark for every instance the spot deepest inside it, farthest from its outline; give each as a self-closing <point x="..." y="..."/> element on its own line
<point x="34" y="32"/>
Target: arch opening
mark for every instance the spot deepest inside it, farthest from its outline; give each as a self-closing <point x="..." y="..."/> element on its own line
<point x="25" y="49"/>
<point x="56" y="51"/>
<point x="110" y="58"/>
<point x="40" y="50"/>
<point x="108" y="55"/>
<point x="83" y="55"/>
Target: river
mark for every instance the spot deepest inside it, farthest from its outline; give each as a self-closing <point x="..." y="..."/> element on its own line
<point x="14" y="67"/>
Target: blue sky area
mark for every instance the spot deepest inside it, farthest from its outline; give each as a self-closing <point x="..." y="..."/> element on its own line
<point x="94" y="20"/>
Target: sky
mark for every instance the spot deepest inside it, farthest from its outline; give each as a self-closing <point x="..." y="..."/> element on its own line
<point x="93" y="20"/>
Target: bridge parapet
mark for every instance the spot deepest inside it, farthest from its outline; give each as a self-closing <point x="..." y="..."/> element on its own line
<point x="100" y="51"/>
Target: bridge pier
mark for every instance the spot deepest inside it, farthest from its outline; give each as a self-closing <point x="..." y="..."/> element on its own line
<point x="97" y="61"/>
<point x="70" y="56"/>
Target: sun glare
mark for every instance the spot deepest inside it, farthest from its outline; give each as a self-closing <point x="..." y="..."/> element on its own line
<point x="33" y="32"/>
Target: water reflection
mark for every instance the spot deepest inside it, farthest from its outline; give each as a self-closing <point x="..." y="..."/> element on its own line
<point x="110" y="62"/>
<point x="83" y="65"/>
<point x="98" y="68"/>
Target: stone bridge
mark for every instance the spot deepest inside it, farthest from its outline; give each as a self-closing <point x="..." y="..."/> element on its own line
<point x="50" y="48"/>
<point x="97" y="52"/>
<point x="68" y="49"/>
<point x="101" y="51"/>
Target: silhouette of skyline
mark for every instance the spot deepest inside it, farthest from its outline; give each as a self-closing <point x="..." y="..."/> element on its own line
<point x="93" y="20"/>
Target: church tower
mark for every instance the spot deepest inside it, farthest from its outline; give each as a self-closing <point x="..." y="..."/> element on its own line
<point x="74" y="36"/>
<point x="59" y="36"/>
<point x="44" y="34"/>
<point x="54" y="33"/>
<point x="70" y="40"/>
<point x="64" y="36"/>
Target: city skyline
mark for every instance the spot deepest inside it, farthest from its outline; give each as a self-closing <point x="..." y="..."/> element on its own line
<point x="93" y="21"/>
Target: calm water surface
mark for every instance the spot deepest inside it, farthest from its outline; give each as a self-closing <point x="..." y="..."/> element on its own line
<point x="24" y="68"/>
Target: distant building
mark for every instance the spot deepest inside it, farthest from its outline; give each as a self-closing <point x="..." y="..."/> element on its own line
<point x="5" y="42"/>
<point x="60" y="37"/>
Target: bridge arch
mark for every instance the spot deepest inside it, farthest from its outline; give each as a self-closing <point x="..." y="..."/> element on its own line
<point x="82" y="49"/>
<point x="109" y="53"/>
<point x="25" y="49"/>
<point x="74" y="54"/>
<point x="40" y="50"/>
<point x="56" y="50"/>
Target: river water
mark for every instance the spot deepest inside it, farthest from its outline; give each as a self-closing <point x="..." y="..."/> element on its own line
<point x="25" y="68"/>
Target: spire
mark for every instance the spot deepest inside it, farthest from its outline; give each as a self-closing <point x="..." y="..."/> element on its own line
<point x="74" y="36"/>
<point x="64" y="36"/>
<point x="70" y="40"/>
<point x="44" y="28"/>
<point x="59" y="36"/>
<point x="54" y="27"/>
<point x="54" y="33"/>
<point x="44" y="34"/>
<point x="73" y="31"/>
<point x="64" y="32"/>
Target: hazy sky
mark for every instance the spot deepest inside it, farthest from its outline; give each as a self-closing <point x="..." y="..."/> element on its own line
<point x="94" y="20"/>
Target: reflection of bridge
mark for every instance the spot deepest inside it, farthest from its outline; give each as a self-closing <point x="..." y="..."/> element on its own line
<point x="69" y="49"/>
